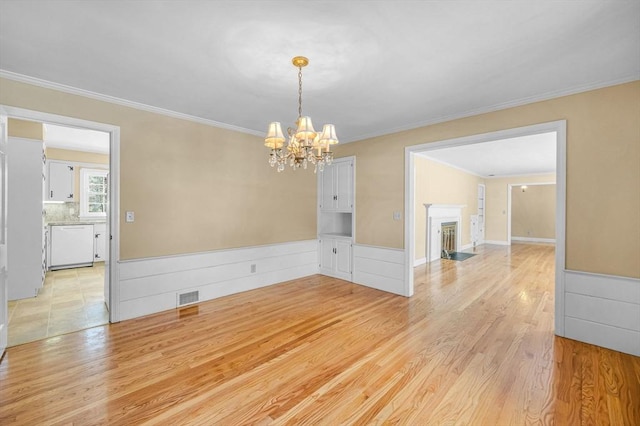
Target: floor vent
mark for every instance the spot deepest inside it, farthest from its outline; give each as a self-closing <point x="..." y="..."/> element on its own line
<point x="188" y="298"/>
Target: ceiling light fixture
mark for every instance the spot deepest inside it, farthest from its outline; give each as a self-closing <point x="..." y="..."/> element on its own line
<point x="305" y="145"/>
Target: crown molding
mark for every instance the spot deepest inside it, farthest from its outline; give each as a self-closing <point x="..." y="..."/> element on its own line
<point x="119" y="101"/>
<point x="505" y="105"/>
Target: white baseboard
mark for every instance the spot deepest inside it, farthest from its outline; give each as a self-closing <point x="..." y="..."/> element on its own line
<point x="151" y="285"/>
<point x="534" y="240"/>
<point x="419" y="262"/>
<point x="496" y="242"/>
<point x="380" y="268"/>
<point x="603" y="310"/>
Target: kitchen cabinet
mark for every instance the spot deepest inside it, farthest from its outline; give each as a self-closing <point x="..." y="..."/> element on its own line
<point x="336" y="186"/>
<point x="71" y="246"/>
<point x="60" y="181"/>
<point x="24" y="214"/>
<point x="100" y="244"/>
<point x="335" y="257"/>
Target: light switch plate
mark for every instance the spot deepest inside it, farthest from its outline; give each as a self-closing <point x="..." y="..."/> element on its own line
<point x="129" y="217"/>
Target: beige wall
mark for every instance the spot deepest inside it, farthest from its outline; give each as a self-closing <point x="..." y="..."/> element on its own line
<point x="25" y="129"/>
<point x="603" y="174"/>
<point x="437" y="183"/>
<point x="497" y="203"/>
<point x="533" y="211"/>
<point x="192" y="187"/>
<point x="76" y="157"/>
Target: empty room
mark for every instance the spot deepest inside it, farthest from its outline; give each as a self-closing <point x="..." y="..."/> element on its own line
<point x="319" y="212"/>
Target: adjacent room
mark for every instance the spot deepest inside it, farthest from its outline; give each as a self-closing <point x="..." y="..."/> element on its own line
<point x="285" y="212"/>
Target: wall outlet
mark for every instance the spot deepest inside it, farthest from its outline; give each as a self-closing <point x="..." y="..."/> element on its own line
<point x="253" y="268"/>
<point x="129" y="217"/>
<point x="397" y="215"/>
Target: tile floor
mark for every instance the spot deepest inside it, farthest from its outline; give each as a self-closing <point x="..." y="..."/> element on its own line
<point x="70" y="300"/>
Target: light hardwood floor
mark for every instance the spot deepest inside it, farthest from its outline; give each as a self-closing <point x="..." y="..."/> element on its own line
<point x="473" y="346"/>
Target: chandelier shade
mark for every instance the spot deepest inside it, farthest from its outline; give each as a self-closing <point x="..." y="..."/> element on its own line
<point x="275" y="139"/>
<point x="304" y="144"/>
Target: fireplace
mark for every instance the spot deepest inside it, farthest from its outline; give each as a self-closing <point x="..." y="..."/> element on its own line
<point x="448" y="243"/>
<point x="444" y="230"/>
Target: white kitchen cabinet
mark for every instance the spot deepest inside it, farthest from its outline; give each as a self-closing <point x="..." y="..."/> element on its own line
<point x="60" y="181"/>
<point x="100" y="246"/>
<point x="335" y="191"/>
<point x="24" y="217"/>
<point x="335" y="257"/>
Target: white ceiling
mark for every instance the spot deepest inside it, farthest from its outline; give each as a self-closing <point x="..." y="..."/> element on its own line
<point x="76" y="139"/>
<point x="375" y="66"/>
<point x="524" y="155"/>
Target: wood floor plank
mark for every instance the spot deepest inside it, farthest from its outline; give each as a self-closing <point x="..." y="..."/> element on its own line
<point x="474" y="345"/>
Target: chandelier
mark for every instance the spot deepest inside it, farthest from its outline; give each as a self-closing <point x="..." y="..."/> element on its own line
<point x="305" y="145"/>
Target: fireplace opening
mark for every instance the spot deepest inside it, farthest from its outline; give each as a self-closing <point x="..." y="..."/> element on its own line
<point x="448" y="233"/>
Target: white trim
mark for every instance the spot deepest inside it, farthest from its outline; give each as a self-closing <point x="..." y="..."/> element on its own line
<point x="419" y="262"/>
<point x="114" y="185"/>
<point x="150" y="285"/>
<point x="534" y="240"/>
<point x="497" y="242"/>
<point x="381" y="268"/>
<point x="559" y="127"/>
<point x="119" y="101"/>
<point x="603" y="310"/>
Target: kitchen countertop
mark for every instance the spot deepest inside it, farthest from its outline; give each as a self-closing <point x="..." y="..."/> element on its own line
<point x="74" y="223"/>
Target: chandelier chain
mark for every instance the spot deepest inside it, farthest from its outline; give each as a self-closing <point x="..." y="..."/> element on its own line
<point x="299" y="92"/>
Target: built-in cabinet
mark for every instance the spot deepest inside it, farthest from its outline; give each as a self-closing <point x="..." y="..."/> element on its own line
<point x="25" y="259"/>
<point x="336" y="218"/>
<point x="60" y="181"/>
<point x="100" y="244"/>
<point x="336" y="187"/>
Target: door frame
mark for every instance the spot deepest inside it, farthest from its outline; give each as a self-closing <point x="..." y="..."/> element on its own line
<point x="114" y="187"/>
<point x="560" y="128"/>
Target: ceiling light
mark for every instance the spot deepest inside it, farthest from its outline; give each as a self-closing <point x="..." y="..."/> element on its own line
<point x="305" y="145"/>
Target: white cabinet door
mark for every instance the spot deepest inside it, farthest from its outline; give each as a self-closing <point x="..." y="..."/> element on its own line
<point x="60" y="181"/>
<point x="335" y="257"/>
<point x="327" y="255"/>
<point x="344" y="185"/>
<point x="100" y="247"/>
<point x="343" y="259"/>
<point x="336" y="186"/>
<point x="327" y="189"/>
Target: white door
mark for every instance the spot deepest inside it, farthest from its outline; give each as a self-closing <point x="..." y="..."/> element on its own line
<point x="4" y="300"/>
<point x="327" y="254"/>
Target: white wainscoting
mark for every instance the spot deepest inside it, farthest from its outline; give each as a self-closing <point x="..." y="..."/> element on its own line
<point x="534" y="240"/>
<point x="497" y="242"/>
<point x="603" y="310"/>
<point x="151" y="285"/>
<point x="380" y="268"/>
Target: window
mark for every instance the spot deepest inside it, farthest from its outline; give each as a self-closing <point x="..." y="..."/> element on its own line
<point x="94" y="200"/>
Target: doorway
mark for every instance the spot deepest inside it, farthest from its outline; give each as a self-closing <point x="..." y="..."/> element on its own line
<point x="100" y="278"/>
<point x="411" y="153"/>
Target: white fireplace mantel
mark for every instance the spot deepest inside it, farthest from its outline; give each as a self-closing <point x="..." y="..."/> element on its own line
<point x="437" y="214"/>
